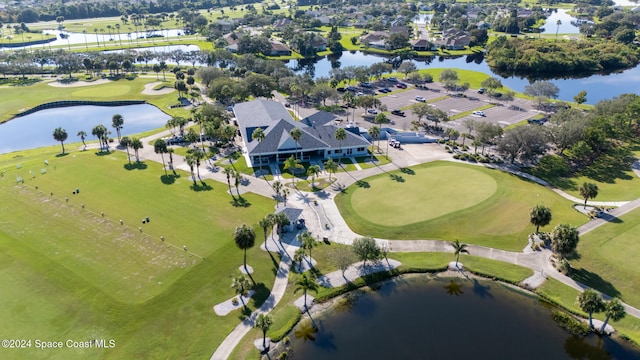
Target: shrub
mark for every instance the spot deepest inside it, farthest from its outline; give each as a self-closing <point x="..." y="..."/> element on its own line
<point x="568" y="322"/>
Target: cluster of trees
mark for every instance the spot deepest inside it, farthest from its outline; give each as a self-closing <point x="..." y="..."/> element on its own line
<point x="614" y="24"/>
<point x="541" y="58"/>
<point x="590" y="301"/>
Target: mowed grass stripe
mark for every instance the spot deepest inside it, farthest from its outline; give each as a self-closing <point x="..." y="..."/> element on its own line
<point x="500" y="221"/>
<point x="425" y="195"/>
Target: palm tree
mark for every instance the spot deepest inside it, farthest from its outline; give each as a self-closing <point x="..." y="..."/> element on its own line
<point x="614" y="311"/>
<point x="374" y="132"/>
<point x="160" y="147"/>
<point x="558" y="23"/>
<point x="116" y="122"/>
<point x="86" y="45"/>
<point x="245" y="238"/>
<point x="459" y="248"/>
<point x="258" y="134"/>
<point x="313" y="171"/>
<point x="281" y="220"/>
<point x="296" y="134"/>
<point x="191" y="161"/>
<point x="540" y="215"/>
<point x="83" y="136"/>
<point x="590" y="301"/>
<point x="125" y="142"/>
<point x="229" y="172"/>
<point x="264" y="322"/>
<point x="340" y="135"/>
<point x="198" y="156"/>
<point x="241" y="286"/>
<point x="588" y="191"/>
<point x="95" y="30"/>
<point x="266" y="223"/>
<point x="237" y="178"/>
<point x="307" y="241"/>
<point x="60" y="134"/>
<point x="306" y="284"/>
<point x="331" y="166"/>
<point x="277" y="187"/>
<point x="136" y="144"/>
<point x="292" y="164"/>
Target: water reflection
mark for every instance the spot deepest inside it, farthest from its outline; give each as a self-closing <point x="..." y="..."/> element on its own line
<point x="454" y="288"/>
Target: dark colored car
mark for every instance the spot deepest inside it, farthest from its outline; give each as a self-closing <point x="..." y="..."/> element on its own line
<point x="401" y="85"/>
<point x="397" y="112"/>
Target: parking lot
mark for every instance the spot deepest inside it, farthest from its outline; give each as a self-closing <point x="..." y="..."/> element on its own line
<point x="500" y="113"/>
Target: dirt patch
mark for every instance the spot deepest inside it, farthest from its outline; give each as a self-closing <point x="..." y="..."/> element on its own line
<point x="149" y="89"/>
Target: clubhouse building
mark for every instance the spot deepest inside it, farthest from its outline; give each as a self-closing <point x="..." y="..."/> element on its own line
<point x="317" y="143"/>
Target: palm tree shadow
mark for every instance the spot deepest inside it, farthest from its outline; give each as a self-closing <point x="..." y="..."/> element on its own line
<point x="135" y="166"/>
<point x="102" y="153"/>
<point x="201" y="187"/>
<point x="397" y="178"/>
<point x="62" y="155"/>
<point x="169" y="179"/>
<point x="261" y="294"/>
<point x="481" y="290"/>
<point x="407" y="171"/>
<point x="363" y="184"/>
<point x="240" y="202"/>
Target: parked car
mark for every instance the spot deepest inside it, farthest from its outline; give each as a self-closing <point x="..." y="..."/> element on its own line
<point x="372" y="111"/>
<point x="384" y="90"/>
<point x="341" y="89"/>
<point x="365" y="84"/>
<point x="392" y="79"/>
<point x="397" y="112"/>
<point x="401" y="85"/>
<point x="479" y="113"/>
<point x="421" y="99"/>
<point x="360" y="93"/>
<point x="351" y="88"/>
<point x="481" y="90"/>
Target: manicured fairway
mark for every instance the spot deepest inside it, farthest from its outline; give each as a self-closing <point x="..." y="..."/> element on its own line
<point x="430" y="193"/>
<point x="479" y="212"/>
<point x="609" y="258"/>
<point x="70" y="273"/>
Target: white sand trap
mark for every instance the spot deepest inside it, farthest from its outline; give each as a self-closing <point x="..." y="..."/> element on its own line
<point x="78" y="83"/>
<point x="148" y="89"/>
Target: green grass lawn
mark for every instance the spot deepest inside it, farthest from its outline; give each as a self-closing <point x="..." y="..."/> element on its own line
<point x="607" y="256"/>
<point x="19" y="98"/>
<point x="442" y="200"/>
<point x="67" y="272"/>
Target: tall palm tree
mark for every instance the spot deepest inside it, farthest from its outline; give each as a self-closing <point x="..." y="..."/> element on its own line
<point x="292" y="164"/>
<point x="116" y="122"/>
<point x="374" y="132"/>
<point x="281" y="220"/>
<point x="136" y="145"/>
<point x="306" y="284"/>
<point x="86" y="45"/>
<point x="258" y="135"/>
<point x="277" y="187"/>
<point x="313" y="171"/>
<point x="588" y="191"/>
<point x="241" y="286"/>
<point x="296" y="134"/>
<point x="558" y="23"/>
<point x="198" y="156"/>
<point x="331" y="166"/>
<point x="264" y="322"/>
<point x="307" y="241"/>
<point x="228" y="171"/>
<point x="60" y="134"/>
<point x="341" y="135"/>
<point x="540" y="216"/>
<point x="125" y="142"/>
<point x="191" y="161"/>
<point x="266" y="223"/>
<point x="160" y="147"/>
<point x="590" y="301"/>
<point x="95" y="30"/>
<point x="614" y="311"/>
<point x="245" y="238"/>
<point x="459" y="248"/>
<point x="237" y="179"/>
<point x="83" y="136"/>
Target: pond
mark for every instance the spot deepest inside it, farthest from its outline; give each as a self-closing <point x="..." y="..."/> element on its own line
<point x="567" y="23"/>
<point x="421" y="318"/>
<point x="598" y="87"/>
<point x="35" y="130"/>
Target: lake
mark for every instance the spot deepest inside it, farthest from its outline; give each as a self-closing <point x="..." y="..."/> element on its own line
<point x="421" y="318"/>
<point x="35" y="130"/>
<point x="598" y="87"/>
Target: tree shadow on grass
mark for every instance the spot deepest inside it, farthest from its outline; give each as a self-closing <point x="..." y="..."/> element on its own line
<point x="102" y="153"/>
<point x="611" y="166"/>
<point x="363" y="184"/>
<point x="135" y="166"/>
<point x="594" y="280"/>
<point x="202" y="186"/>
<point x="169" y="179"/>
<point x="397" y="178"/>
<point x="261" y="294"/>
<point x="407" y="171"/>
<point x="240" y="202"/>
<point x="62" y="155"/>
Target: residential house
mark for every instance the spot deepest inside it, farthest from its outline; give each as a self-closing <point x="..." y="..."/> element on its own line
<point x="318" y="134"/>
<point x="279" y="49"/>
<point x="454" y="39"/>
<point x="422" y="45"/>
<point x="375" y="39"/>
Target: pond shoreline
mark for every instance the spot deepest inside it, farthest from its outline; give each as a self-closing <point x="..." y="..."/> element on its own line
<point x="68" y="103"/>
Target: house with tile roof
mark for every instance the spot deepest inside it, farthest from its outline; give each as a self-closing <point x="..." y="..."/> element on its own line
<point x="318" y="140"/>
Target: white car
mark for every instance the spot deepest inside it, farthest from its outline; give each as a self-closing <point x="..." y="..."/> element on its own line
<point x="421" y="99"/>
<point x="372" y="111"/>
<point x="479" y="113"/>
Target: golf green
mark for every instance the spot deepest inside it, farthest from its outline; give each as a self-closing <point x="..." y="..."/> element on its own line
<point x="431" y="193"/>
<point x="98" y="91"/>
